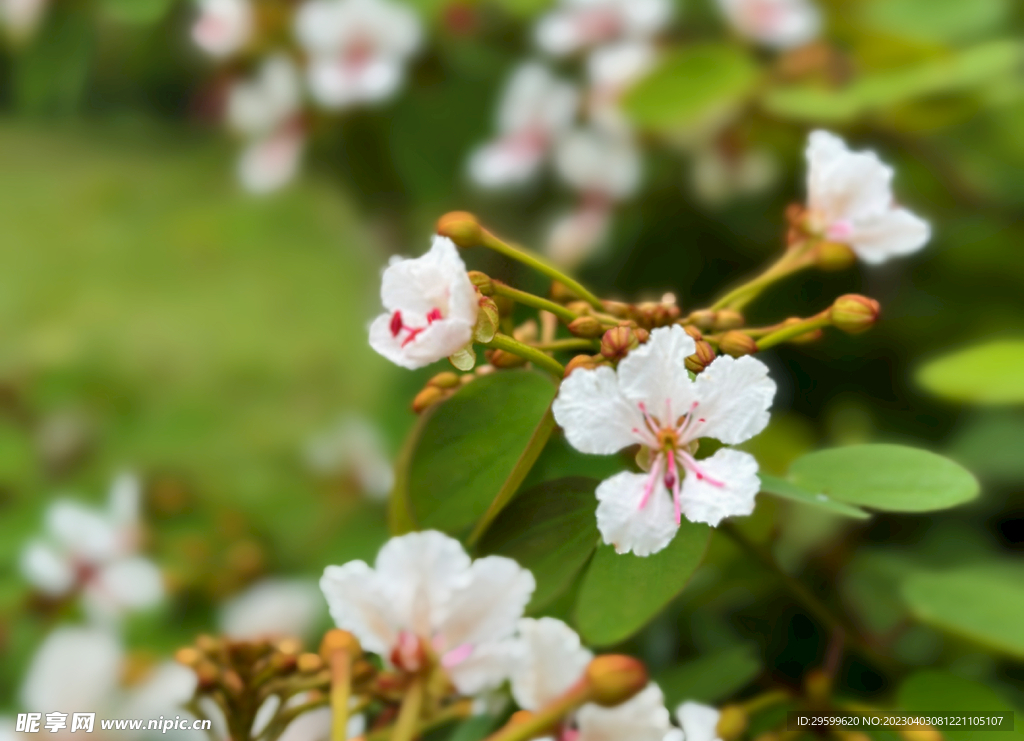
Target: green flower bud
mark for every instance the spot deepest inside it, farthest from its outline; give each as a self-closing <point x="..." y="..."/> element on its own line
<point x="614" y="679"/>
<point x="482" y="281"/>
<point x="461" y="227"/>
<point x="728" y="319"/>
<point x="586" y="326"/>
<point x="853" y="313"/>
<point x="737" y="344"/>
<point x="834" y="256"/>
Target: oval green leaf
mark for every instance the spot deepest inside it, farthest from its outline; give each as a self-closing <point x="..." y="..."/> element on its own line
<point x="990" y="373"/>
<point x="893" y="478"/>
<point x="691" y="84"/>
<point x="788" y="490"/>
<point x="712" y="678"/>
<point x="983" y="602"/>
<point x="621" y="593"/>
<point x="469" y="446"/>
<point x="550" y="529"/>
<point x="939" y="690"/>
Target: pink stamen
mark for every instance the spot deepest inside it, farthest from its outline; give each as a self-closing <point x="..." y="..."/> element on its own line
<point x="433" y="316"/>
<point x="396" y="323"/>
<point x="457" y="655"/>
<point x="691" y="466"/>
<point x="672" y="484"/>
<point x="652" y="423"/>
<point x="649" y="487"/>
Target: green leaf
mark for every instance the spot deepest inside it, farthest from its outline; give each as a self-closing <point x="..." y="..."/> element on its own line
<point x="940" y="690"/>
<point x="893" y="478"/>
<point x="691" y="84"/>
<point x="983" y="602"/>
<point x="50" y="75"/>
<point x="712" y="678"/>
<point x="788" y="490"/>
<point x="989" y="445"/>
<point x="550" y="529"/>
<point x="871" y="93"/>
<point x="470" y="445"/>
<point x="989" y="373"/>
<point x="936" y="20"/>
<point x="621" y="593"/>
<point x="136" y="11"/>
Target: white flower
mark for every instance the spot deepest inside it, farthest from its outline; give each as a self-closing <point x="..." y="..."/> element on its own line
<point x="431" y="307"/>
<point x="698" y="721"/>
<point x="550" y="660"/>
<point x="265" y="111"/>
<point x="353" y="447"/>
<point x="535" y="109"/>
<point x="849" y="200"/>
<point x="651" y="400"/>
<point x="272" y="607"/>
<point x="223" y="26"/>
<point x="425" y="592"/>
<point x="75" y="668"/>
<point x="579" y="24"/>
<point x="718" y="176"/>
<point x="22" y="17"/>
<point x="779" y="24"/>
<point x="95" y="551"/>
<point x="613" y="70"/>
<point x="576" y="235"/>
<point x="358" y="48"/>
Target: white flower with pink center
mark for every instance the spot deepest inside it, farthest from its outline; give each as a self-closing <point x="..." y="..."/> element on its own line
<point x="779" y="24"/>
<point x="549" y="660"/>
<point x="425" y="600"/>
<point x="223" y="27"/>
<point x="849" y="200"/>
<point x="95" y="552"/>
<point x="579" y="24"/>
<point x="431" y="307"/>
<point x="651" y="401"/>
<point x="535" y="109"/>
<point x="266" y="112"/>
<point x="358" y="49"/>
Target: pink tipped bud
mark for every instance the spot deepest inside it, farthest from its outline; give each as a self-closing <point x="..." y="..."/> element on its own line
<point x="614" y="679"/>
<point x="618" y="341"/>
<point x="461" y="227"/>
<point x="854" y="314"/>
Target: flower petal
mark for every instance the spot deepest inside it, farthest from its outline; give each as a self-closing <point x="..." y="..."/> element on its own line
<point x="420" y="572"/>
<point x="359" y="604"/>
<point x="486" y="668"/>
<point x="627" y="526"/>
<point x="549" y="661"/>
<point x="655" y="373"/>
<point x="733" y="396"/>
<point x="129" y="583"/>
<point x="897" y="232"/>
<point x="704" y="501"/>
<point x="46" y="569"/>
<point x="487" y="607"/>
<point x="74" y="669"/>
<point x="845" y="185"/>
<point x="595" y="416"/>
<point x="643" y="718"/>
<point x="273" y="607"/>
<point x="699" y="721"/>
<point x="83" y="531"/>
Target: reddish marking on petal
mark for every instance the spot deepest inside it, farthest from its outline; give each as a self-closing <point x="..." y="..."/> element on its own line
<point x="413" y="331"/>
<point x="396" y="323"/>
<point x="433" y="316"/>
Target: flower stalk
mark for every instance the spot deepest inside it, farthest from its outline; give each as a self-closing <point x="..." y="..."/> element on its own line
<point x="528" y="353"/>
<point x="407" y="726"/>
<point x="547" y="717"/>
<point x="529" y="299"/>
<point x="796" y="257"/>
<point x="795" y="329"/>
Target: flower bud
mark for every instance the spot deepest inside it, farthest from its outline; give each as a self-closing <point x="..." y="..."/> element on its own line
<point x="188" y="656"/>
<point x="727" y="319"/>
<point x="618" y="308"/>
<point x="482" y="281"/>
<point x="579" y="307"/>
<point x="737" y="344"/>
<point x="461" y="227"/>
<point x="618" y="341"/>
<point x="732" y="722"/>
<point x="810" y="336"/>
<point x="445" y="380"/>
<point x="702" y="358"/>
<point x="614" y="679"/>
<point x="339" y="640"/>
<point x="207" y="674"/>
<point x="703" y="319"/>
<point x="586" y="326"/>
<point x="834" y="256"/>
<point x="503" y="359"/>
<point x="427" y="397"/>
<point x="693" y="332"/>
<point x="854" y="314"/>
<point x="526" y="332"/>
<point x="232" y="683"/>
<point x="561" y="294"/>
<point x="580" y="361"/>
<point x="309" y="663"/>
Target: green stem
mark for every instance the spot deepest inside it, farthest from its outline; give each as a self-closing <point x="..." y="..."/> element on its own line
<point x="805" y="597"/>
<point x="793" y="259"/>
<point x="409" y="713"/>
<point x="528" y="299"/>
<point x="455" y="711"/>
<point x="508" y="344"/>
<point x="573" y="343"/>
<point x="341" y="691"/>
<point x="794" y="330"/>
<point x="546" y="718"/>
<point x="541" y="434"/>
<point x="541" y="266"/>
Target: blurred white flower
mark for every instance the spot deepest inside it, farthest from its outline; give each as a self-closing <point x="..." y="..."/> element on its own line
<point x="779" y="24"/>
<point x="358" y="49"/>
<point x="21" y="18"/>
<point x="273" y="608"/>
<point x="353" y="447"/>
<point x="698" y="721"/>
<point x="719" y="176"/>
<point x="612" y="71"/>
<point x="550" y="660"/>
<point x="425" y="593"/>
<point x="576" y="235"/>
<point x="75" y="668"/>
<point x="223" y="26"/>
<point x="95" y="551"/>
<point x="535" y="109"/>
<point x="316" y="726"/>
<point x="650" y="400"/>
<point x="265" y="111"/>
<point x="849" y="200"/>
<point x="431" y="307"/>
<point x="578" y="24"/>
